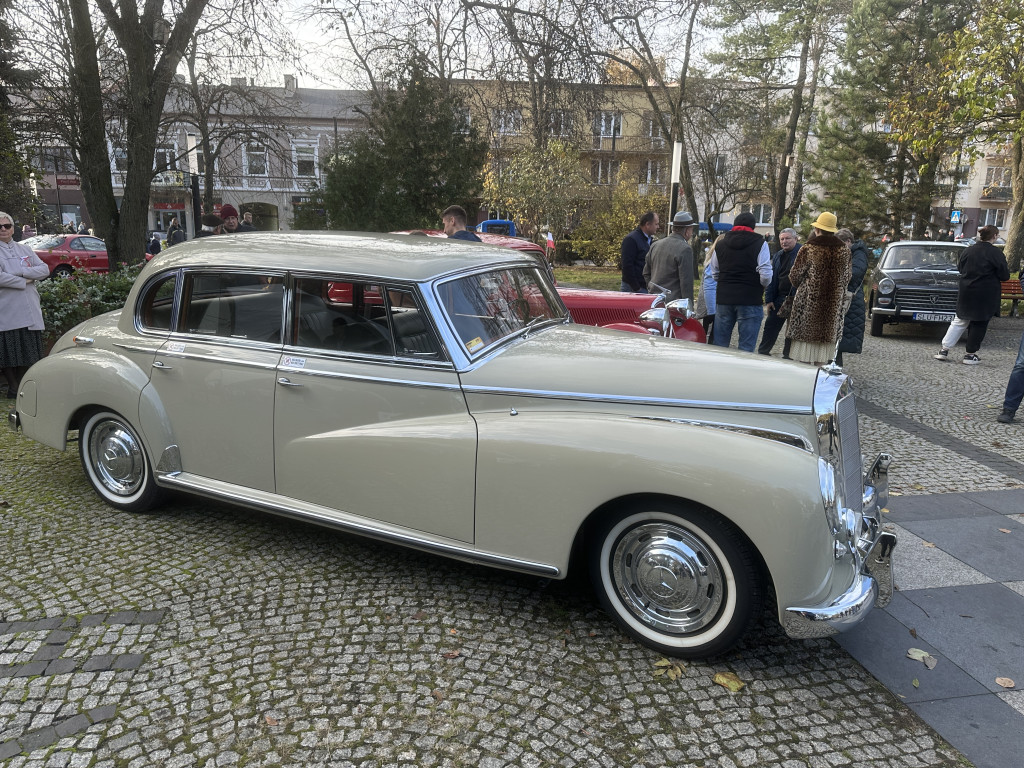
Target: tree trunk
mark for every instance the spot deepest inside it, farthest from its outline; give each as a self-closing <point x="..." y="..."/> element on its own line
<point x="795" y="113"/>
<point x="1015" y="235"/>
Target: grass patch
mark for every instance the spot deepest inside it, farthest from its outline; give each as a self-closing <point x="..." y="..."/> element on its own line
<point x="605" y="278"/>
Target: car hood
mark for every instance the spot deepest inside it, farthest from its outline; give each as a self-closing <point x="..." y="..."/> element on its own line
<point x="616" y="366"/>
<point x="924" y="278"/>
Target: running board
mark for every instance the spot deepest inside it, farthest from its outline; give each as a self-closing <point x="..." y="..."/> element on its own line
<point x="342" y="521"/>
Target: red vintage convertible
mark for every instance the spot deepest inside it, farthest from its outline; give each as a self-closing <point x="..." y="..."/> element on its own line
<point x="634" y="312"/>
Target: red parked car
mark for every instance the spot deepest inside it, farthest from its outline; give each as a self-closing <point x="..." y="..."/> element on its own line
<point x="636" y="312"/>
<point x="64" y="254"/>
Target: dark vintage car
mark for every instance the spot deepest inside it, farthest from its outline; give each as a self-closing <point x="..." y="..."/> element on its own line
<point x="915" y="281"/>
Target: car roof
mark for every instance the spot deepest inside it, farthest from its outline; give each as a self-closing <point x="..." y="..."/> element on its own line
<point x="954" y="243"/>
<point x="354" y="253"/>
<point x="487" y="238"/>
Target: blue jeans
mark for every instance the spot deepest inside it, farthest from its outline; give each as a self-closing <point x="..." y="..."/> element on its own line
<point x="1015" y="388"/>
<point x="748" y="318"/>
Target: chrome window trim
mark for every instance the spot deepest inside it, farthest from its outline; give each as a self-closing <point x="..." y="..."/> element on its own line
<point x="400" y="361"/>
<point x="625" y="399"/>
<point x="175" y="304"/>
<point x="226" y="341"/>
<point x="136" y="348"/>
<point x="786" y="438"/>
<point x="187" y="272"/>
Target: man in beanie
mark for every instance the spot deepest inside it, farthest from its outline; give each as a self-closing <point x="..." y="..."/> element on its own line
<point x="742" y="268"/>
<point x="230" y="216"/>
<point x="212" y="224"/>
<point x="670" y="261"/>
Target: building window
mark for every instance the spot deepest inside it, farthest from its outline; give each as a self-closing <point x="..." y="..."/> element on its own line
<point x="604" y="171"/>
<point x="762" y="212"/>
<point x="720" y="165"/>
<point x="559" y="123"/>
<point x="998" y="176"/>
<point x="201" y="162"/>
<point x="255" y="159"/>
<point x="508" y="122"/>
<point x="56" y="160"/>
<point x="120" y="156"/>
<point x="465" y="120"/>
<point x="305" y="161"/>
<point x="608" y="124"/>
<point x="166" y="158"/>
<point x="650" y="172"/>
<point x="995" y="217"/>
<point x="654" y="131"/>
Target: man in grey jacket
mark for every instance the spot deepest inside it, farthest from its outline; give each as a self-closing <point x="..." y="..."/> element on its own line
<point x="670" y="261"/>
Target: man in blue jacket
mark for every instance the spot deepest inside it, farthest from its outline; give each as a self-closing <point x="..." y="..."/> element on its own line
<point x="777" y="291"/>
<point x="634" y="253"/>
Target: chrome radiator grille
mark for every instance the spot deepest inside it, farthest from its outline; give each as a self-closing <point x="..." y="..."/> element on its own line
<point x="925" y="300"/>
<point x="849" y="451"/>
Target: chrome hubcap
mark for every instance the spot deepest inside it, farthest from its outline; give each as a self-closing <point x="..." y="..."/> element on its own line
<point x="668" y="577"/>
<point x="117" y="458"/>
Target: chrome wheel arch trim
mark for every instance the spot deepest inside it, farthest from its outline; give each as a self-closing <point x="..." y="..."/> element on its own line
<point x="796" y="410"/>
<point x="341" y="521"/>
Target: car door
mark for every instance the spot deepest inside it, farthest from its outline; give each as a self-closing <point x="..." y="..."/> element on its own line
<point x="215" y="375"/>
<point x="90" y="254"/>
<point x="369" y="416"/>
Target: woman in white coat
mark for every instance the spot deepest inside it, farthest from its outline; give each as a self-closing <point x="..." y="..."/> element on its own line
<point x="21" y="318"/>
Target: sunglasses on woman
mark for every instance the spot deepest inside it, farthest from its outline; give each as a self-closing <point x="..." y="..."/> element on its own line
<point x="6" y="226"/>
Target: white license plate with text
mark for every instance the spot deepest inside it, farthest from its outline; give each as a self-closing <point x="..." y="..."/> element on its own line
<point x="934" y="317"/>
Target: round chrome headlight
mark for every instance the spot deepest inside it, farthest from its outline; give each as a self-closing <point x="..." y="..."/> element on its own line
<point x="655" y="319"/>
<point x="886" y="285"/>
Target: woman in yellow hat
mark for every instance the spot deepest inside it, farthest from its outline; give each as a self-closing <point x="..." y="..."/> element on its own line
<point x="820" y="275"/>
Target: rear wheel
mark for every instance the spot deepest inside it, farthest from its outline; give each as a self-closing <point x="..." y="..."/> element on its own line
<point x="678" y="579"/>
<point x="115" y="462"/>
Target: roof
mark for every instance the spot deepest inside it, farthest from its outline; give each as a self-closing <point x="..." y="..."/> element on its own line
<point x="356" y="253"/>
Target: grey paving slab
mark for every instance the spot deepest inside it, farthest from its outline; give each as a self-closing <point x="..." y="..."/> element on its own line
<point x="920" y="564"/>
<point x="935" y="507"/>
<point x="880" y="643"/>
<point x="980" y="628"/>
<point x="980" y="542"/>
<point x="984" y="727"/>
<point x="1005" y="502"/>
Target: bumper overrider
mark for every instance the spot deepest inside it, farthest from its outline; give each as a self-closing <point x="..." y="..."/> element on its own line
<point x="873" y="583"/>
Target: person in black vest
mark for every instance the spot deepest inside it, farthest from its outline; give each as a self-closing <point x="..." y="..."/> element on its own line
<point x="742" y="268"/>
<point x="777" y="291"/>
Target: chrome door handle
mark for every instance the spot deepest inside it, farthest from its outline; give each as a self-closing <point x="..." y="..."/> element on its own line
<point x="163" y="367"/>
<point x="285" y="382"/>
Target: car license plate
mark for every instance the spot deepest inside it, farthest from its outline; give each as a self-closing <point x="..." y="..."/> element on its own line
<point x="934" y="317"/>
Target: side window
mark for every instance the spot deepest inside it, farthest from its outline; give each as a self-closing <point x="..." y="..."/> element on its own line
<point x="341" y="316"/>
<point x="237" y="306"/>
<point x="156" y="304"/>
<point x="414" y="335"/>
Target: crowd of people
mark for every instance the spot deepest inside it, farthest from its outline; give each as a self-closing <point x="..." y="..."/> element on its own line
<point x="814" y="291"/>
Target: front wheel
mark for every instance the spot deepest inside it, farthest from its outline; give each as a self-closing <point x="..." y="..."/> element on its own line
<point x="115" y="462"/>
<point x="876" y="324"/>
<point x="62" y="272"/>
<point x="680" y="580"/>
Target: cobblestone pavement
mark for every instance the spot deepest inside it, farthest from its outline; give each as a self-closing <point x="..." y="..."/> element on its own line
<point x="203" y="635"/>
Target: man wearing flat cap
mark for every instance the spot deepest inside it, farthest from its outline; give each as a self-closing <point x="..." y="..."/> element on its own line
<point x="212" y="224"/>
<point x="670" y="261"/>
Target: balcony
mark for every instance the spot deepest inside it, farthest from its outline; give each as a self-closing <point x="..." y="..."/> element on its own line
<point x="997" y="193"/>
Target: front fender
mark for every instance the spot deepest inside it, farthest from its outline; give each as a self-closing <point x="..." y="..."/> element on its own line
<point x="541" y="476"/>
<point x="59" y="386"/>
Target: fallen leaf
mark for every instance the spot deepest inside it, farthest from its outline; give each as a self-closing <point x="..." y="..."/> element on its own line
<point x="452" y="654"/>
<point x="1006" y="530"/>
<point x="916" y="654"/>
<point x="663" y="663"/>
<point x="917" y="487"/>
<point x="453" y="631"/>
<point x="913" y="633"/>
<point x="436" y="693"/>
<point x="930" y="662"/>
<point x="916" y="683"/>
<point x="673" y="670"/>
<point x="928" y="544"/>
<point x="270" y="720"/>
<point x="1005" y="682"/>
<point x="729" y="680"/>
<point x="885" y="510"/>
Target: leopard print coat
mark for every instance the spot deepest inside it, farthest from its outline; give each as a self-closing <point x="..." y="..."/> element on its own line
<point x="820" y="274"/>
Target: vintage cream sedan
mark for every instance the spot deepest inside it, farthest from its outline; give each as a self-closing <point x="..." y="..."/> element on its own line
<point x="436" y="394"/>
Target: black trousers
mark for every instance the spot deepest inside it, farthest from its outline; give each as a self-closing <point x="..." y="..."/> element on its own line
<point x="772" y="326"/>
<point x="975" y="335"/>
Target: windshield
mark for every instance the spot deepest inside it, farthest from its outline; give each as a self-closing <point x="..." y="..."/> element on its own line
<point x="922" y="255"/>
<point x="43" y="242"/>
<point x="489" y="306"/>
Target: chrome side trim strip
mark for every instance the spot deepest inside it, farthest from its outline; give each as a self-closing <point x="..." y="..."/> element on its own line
<point x="786" y="438"/>
<point x="375" y="379"/>
<point x="134" y="348"/>
<point x="342" y="521"/>
<point x="220" y="359"/>
<point x="798" y="410"/>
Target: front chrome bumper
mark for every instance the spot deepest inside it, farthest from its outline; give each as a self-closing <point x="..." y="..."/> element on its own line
<point x="13" y="421"/>
<point x="873" y="584"/>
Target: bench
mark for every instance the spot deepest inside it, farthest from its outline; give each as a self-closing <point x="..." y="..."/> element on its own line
<point x="1011" y="290"/>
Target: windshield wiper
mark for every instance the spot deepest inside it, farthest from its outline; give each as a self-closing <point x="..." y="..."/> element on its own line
<point x="534" y="323"/>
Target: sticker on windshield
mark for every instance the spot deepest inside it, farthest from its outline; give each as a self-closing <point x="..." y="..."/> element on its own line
<point x="474" y="344"/>
<point x="293" y="362"/>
